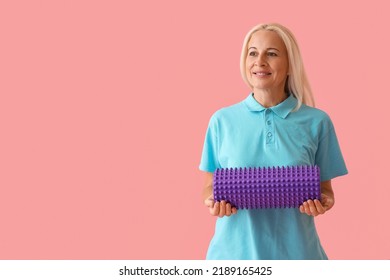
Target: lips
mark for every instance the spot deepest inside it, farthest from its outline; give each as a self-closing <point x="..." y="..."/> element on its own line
<point x="261" y="73"/>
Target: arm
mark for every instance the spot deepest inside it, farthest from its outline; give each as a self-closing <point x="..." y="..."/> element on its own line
<point x="315" y="208"/>
<point x="219" y="209"/>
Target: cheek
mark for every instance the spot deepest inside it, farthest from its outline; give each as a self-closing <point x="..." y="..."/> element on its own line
<point x="284" y="67"/>
<point x="248" y="67"/>
<point x="247" y="64"/>
<point x="248" y="74"/>
<point x="281" y="69"/>
<point x="250" y="60"/>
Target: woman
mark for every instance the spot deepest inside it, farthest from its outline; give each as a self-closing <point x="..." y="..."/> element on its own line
<point x="275" y="125"/>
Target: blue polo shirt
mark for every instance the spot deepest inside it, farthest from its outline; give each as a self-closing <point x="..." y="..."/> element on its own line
<point x="249" y="135"/>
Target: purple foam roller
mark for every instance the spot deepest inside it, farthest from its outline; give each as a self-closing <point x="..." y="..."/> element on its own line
<point x="267" y="187"/>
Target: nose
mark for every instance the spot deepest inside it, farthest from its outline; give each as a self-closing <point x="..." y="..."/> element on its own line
<point x="261" y="60"/>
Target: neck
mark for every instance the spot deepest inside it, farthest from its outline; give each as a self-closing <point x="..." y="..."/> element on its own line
<point x="269" y="99"/>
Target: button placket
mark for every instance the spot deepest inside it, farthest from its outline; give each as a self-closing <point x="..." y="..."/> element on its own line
<point x="269" y="123"/>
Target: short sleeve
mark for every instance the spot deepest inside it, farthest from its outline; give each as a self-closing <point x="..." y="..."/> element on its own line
<point x="209" y="161"/>
<point x="329" y="157"/>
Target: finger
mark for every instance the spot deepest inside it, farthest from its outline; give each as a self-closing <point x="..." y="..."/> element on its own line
<point x="324" y="199"/>
<point x="306" y="208"/>
<point x="313" y="208"/>
<point x="215" y="210"/>
<point x="234" y="210"/>
<point x="228" y="209"/>
<point x="327" y="202"/>
<point x="209" y="202"/>
<point x="302" y="209"/>
<point x="222" y="208"/>
<point x="320" y="208"/>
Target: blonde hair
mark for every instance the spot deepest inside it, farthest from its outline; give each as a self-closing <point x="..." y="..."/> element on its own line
<point x="297" y="82"/>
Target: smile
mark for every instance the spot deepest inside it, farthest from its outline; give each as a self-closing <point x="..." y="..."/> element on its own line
<point x="261" y="73"/>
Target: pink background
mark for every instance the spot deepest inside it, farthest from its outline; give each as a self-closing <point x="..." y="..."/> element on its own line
<point x="104" y="106"/>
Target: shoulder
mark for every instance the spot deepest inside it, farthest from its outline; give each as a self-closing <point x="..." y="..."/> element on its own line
<point x="315" y="113"/>
<point x="317" y="120"/>
<point x="229" y="112"/>
<point x="317" y="116"/>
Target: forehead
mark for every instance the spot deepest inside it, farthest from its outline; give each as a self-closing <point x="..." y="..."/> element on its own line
<point x="264" y="39"/>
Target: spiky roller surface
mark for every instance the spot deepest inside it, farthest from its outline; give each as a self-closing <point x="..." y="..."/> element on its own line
<point x="267" y="187"/>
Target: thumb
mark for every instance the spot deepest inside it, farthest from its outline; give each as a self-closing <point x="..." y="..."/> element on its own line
<point x="209" y="202"/>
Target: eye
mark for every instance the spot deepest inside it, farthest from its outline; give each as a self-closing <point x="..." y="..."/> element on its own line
<point x="252" y="53"/>
<point x="272" y="54"/>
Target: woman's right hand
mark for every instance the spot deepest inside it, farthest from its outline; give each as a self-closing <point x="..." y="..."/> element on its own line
<point x="219" y="209"/>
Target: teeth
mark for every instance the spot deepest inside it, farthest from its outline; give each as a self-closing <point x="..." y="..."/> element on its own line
<point x="262" y="74"/>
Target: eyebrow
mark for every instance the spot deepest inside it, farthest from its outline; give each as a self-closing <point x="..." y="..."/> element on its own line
<point x="267" y="49"/>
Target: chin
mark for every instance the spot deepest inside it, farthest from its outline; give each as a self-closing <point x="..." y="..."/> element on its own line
<point x="262" y="87"/>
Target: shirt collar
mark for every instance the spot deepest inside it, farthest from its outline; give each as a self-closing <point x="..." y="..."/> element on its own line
<point x="282" y="109"/>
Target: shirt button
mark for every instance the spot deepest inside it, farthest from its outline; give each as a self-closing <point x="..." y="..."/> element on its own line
<point x="269" y="134"/>
<point x="269" y="122"/>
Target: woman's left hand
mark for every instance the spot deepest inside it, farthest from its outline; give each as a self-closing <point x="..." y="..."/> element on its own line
<point x="315" y="207"/>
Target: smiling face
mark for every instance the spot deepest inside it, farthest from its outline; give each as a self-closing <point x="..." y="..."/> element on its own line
<point x="267" y="62"/>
